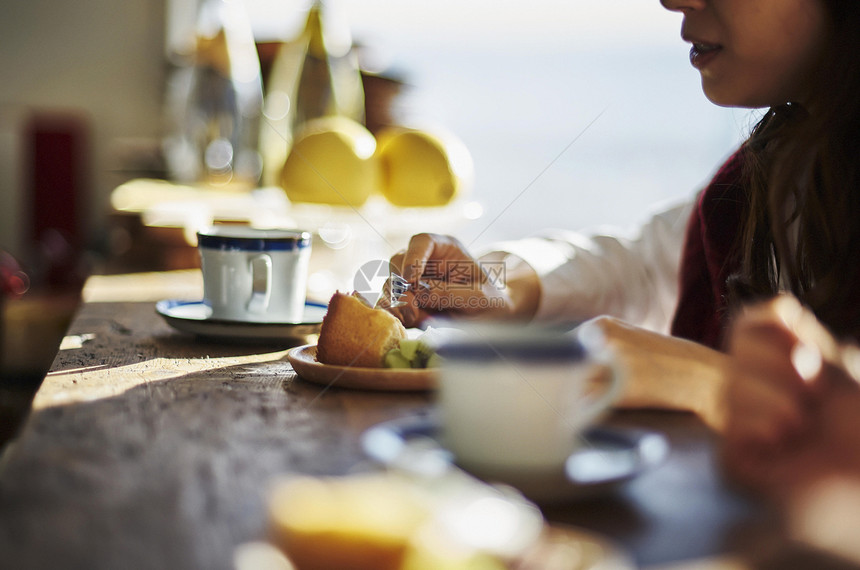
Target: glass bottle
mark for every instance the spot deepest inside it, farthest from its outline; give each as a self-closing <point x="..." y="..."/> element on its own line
<point x="216" y="102"/>
<point x="315" y="74"/>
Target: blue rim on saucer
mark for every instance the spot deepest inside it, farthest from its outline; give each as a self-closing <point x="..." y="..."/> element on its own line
<point x="608" y="457"/>
<point x="194" y="317"/>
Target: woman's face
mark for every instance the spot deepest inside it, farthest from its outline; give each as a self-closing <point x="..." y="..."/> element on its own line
<point x="753" y="53"/>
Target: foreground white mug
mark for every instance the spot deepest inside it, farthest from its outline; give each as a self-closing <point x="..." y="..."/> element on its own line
<point x="518" y="399"/>
<point x="254" y="275"/>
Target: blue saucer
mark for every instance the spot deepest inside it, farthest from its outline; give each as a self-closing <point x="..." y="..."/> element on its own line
<point x="607" y="457"/>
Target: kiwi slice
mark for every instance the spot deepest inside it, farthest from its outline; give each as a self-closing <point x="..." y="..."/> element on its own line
<point x="394" y="359"/>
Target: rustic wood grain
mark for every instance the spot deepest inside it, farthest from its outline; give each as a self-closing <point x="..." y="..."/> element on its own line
<point x="146" y="448"/>
<point x="150" y="449"/>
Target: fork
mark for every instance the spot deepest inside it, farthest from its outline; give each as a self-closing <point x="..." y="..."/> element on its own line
<point x="392" y="291"/>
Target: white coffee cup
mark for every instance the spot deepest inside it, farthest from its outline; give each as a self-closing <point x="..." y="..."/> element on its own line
<point x="254" y="275"/>
<point x="518" y="399"/>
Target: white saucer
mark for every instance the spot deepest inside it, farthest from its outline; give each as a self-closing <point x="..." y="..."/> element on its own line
<point x="608" y="457"/>
<point x="195" y="317"/>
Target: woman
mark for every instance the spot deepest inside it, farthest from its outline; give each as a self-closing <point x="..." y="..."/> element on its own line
<point x="780" y="215"/>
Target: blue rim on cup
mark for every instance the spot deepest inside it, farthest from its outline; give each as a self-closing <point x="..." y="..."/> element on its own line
<point x="522" y="344"/>
<point x="243" y="238"/>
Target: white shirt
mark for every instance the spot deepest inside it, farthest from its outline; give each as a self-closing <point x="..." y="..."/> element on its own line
<point x="633" y="277"/>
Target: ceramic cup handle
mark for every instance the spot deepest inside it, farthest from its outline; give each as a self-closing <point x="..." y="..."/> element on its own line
<point x="595" y="406"/>
<point x="261" y="279"/>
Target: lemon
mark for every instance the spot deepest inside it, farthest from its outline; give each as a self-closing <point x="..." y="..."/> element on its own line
<point x="331" y="162"/>
<point x="422" y="168"/>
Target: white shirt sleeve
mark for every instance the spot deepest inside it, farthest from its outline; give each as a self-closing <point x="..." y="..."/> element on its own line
<point x="633" y="277"/>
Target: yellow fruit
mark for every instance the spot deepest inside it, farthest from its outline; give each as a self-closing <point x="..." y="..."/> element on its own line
<point x="421" y="168"/>
<point x="331" y="162"/>
<point x="359" y="522"/>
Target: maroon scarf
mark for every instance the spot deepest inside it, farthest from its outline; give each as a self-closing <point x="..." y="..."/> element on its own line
<point x="709" y="256"/>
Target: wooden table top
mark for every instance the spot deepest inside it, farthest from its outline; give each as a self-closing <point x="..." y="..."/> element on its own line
<point x="149" y="448"/>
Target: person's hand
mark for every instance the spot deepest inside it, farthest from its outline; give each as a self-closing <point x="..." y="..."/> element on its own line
<point x="793" y="411"/>
<point x="446" y="279"/>
<point x="793" y="423"/>
<point x="661" y="372"/>
<point x="768" y="401"/>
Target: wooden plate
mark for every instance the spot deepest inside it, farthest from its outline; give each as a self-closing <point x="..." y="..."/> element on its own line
<point x="304" y="362"/>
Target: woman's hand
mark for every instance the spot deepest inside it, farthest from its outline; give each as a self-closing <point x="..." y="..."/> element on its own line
<point x="446" y="279"/>
<point x="661" y="372"/>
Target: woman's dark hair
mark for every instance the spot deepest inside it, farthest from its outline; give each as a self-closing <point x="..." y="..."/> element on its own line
<point x="803" y="169"/>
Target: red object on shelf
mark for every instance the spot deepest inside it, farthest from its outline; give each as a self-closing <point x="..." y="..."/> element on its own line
<point x="58" y="150"/>
<point x="57" y="190"/>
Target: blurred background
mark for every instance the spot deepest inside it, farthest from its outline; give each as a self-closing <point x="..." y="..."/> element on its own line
<point x="576" y="113"/>
<point x="517" y="81"/>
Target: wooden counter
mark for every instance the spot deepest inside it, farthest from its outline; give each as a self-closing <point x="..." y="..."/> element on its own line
<point x="147" y="448"/>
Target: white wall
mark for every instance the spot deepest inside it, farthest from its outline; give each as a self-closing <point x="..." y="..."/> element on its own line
<point x="101" y="58"/>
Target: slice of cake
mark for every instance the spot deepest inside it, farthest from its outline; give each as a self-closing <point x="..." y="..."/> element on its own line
<point x="355" y="334"/>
